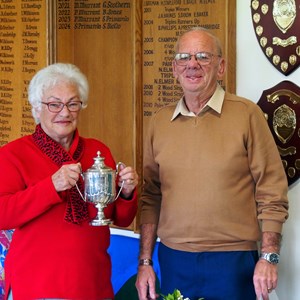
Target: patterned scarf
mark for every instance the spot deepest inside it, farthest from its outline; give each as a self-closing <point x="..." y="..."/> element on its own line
<point x="76" y="210"/>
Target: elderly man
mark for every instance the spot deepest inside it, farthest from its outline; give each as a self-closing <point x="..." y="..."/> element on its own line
<point x="214" y="187"/>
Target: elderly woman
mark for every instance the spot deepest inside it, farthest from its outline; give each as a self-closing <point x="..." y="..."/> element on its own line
<point x="55" y="253"/>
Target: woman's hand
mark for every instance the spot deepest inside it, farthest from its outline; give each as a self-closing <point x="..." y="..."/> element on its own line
<point x="66" y="177"/>
<point x="129" y="176"/>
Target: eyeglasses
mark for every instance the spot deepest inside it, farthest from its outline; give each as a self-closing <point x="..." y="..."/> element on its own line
<point x="56" y="107"/>
<point x="203" y="58"/>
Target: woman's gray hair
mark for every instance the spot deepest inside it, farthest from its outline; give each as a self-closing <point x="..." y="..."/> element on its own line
<point x="51" y="76"/>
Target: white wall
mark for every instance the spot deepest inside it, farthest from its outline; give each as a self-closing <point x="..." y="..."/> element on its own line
<point x="254" y="75"/>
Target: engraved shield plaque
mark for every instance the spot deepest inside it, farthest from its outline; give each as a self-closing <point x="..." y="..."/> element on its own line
<point x="276" y="24"/>
<point x="281" y="106"/>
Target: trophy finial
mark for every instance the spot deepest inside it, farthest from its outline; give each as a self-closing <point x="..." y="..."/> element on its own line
<point x="98" y="160"/>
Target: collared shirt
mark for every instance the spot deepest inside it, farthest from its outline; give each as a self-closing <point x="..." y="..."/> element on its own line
<point x="215" y="103"/>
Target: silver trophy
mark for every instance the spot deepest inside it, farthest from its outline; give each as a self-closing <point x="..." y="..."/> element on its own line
<point x="100" y="188"/>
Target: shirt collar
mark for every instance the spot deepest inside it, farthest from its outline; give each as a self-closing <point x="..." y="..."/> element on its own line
<point x="215" y="103"/>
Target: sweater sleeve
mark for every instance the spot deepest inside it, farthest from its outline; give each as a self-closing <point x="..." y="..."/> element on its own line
<point x="151" y="194"/>
<point x="23" y="194"/>
<point x="268" y="173"/>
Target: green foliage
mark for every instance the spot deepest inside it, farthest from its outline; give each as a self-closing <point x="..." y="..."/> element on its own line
<point x="176" y="296"/>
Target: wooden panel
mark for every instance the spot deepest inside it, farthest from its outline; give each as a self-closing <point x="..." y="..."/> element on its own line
<point x="23" y="51"/>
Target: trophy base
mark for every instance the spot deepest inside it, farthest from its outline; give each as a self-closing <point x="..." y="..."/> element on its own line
<point x="102" y="222"/>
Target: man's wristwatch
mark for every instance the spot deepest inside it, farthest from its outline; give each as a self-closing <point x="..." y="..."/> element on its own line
<point x="272" y="258"/>
<point x="145" y="262"/>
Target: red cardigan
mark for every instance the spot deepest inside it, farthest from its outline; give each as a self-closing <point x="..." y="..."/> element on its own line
<point x="48" y="257"/>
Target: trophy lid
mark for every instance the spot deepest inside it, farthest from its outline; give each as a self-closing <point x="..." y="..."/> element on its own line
<point x="99" y="165"/>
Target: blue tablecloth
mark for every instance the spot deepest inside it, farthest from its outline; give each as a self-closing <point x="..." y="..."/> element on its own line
<point x="124" y="253"/>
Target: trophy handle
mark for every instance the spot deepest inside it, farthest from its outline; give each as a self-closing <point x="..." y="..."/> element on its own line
<point x="117" y="172"/>
<point x="83" y="198"/>
<point x="118" y="167"/>
<point x="120" y="190"/>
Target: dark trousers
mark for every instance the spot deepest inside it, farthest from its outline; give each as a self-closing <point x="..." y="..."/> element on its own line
<point x="211" y="275"/>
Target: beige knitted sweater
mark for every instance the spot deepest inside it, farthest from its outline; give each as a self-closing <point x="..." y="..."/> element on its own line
<point x="212" y="182"/>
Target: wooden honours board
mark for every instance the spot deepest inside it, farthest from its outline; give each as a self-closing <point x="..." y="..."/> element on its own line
<point x="23" y="51"/>
<point x="163" y="22"/>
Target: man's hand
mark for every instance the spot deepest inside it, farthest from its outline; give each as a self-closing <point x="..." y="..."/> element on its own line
<point x="145" y="283"/>
<point x="265" y="279"/>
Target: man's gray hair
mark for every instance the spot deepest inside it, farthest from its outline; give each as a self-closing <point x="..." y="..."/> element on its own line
<point x="199" y="28"/>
